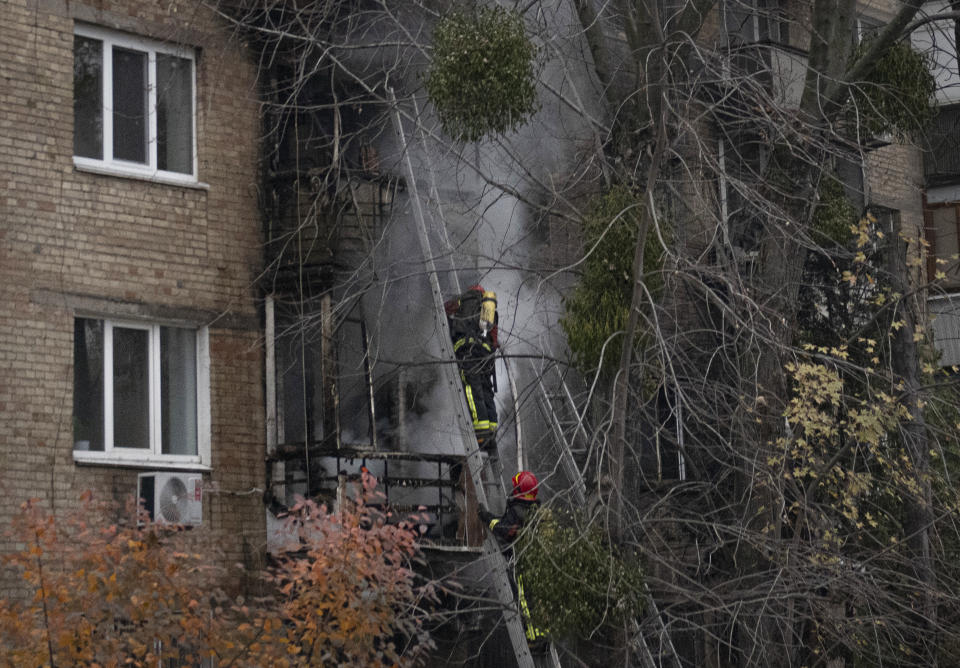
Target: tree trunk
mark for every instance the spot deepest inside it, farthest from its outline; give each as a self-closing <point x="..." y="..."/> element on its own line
<point x="918" y="507"/>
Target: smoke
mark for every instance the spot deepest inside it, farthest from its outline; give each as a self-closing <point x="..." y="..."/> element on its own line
<point x="481" y="206"/>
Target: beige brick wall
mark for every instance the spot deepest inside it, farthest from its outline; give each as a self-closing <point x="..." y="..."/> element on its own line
<point x="895" y="180"/>
<point x="73" y="240"/>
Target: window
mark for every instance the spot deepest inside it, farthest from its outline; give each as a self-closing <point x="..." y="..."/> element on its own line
<point x="755" y="21"/>
<point x="867" y="27"/>
<point x="139" y="393"/>
<point x="133" y="102"/>
<point x="942" y="234"/>
<point x="945" y="312"/>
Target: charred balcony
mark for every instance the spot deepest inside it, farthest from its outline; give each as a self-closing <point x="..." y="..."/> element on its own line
<point x="319" y="227"/>
<point x="325" y="196"/>
<point x="433" y="487"/>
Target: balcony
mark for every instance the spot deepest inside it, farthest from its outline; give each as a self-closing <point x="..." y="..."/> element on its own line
<point x="435" y="487"/>
<point x="316" y="225"/>
<point x="941" y="160"/>
<point x="945" y="312"/>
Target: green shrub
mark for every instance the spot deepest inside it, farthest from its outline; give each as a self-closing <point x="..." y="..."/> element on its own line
<point x="834" y="214"/>
<point x="481" y="80"/>
<point x="575" y="582"/>
<point x="599" y="305"/>
<point x="897" y="97"/>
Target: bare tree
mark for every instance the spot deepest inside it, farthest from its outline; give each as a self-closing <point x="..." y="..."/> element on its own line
<point x="800" y="519"/>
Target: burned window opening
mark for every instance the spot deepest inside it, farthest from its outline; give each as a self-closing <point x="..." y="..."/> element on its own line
<point x="661" y="426"/>
<point x="327" y="393"/>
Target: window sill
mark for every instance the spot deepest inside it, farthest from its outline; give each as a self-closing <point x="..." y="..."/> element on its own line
<point x="168" y="463"/>
<point x="170" y="179"/>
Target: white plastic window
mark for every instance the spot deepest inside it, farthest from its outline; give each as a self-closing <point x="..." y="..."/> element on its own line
<point x="133" y="105"/>
<point x="140" y="393"/>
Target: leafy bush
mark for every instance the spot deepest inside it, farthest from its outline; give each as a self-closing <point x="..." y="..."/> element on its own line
<point x="897" y="97"/>
<point x="600" y="303"/>
<point x="481" y="80"/>
<point x="835" y="214"/>
<point x="105" y="594"/>
<point x="575" y="583"/>
<point x="350" y="595"/>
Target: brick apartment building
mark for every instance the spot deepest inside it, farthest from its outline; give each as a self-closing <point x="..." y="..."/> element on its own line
<point x="129" y="250"/>
<point x="132" y="246"/>
<point x="941" y="177"/>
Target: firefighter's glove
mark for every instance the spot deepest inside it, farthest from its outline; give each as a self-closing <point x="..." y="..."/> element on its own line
<point x="486" y="516"/>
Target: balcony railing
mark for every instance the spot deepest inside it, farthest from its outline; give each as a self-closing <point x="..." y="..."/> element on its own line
<point x="432" y="486"/>
<point x="315" y="226"/>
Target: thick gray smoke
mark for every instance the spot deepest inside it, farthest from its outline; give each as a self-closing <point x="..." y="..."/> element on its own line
<point x="481" y="206"/>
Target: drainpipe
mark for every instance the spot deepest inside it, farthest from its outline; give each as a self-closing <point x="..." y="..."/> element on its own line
<point x="277" y="473"/>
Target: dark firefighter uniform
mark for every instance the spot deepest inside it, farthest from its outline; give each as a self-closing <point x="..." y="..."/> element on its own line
<point x="475" y="357"/>
<point x="521" y="506"/>
<point x="472" y="318"/>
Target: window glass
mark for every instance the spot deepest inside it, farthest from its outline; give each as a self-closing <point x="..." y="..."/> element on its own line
<point x="294" y="387"/>
<point x="300" y="380"/>
<point x="129" y="105"/>
<point x="946" y="246"/>
<point x="133" y="105"/>
<point x="131" y="388"/>
<point x="178" y="391"/>
<point x="767" y="26"/>
<point x="88" y="97"/>
<point x="136" y="393"/>
<point x="87" y="384"/>
<point x="174" y="114"/>
<point x="755" y="21"/>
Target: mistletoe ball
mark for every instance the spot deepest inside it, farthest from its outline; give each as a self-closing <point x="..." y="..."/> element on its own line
<point x="481" y="80"/>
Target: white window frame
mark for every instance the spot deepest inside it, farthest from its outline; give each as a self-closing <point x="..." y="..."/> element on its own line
<point x="153" y="457"/>
<point x="866" y="24"/>
<point x="149" y="171"/>
<point x="749" y="14"/>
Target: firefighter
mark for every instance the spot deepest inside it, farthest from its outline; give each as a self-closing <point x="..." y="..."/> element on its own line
<point x="521" y="506"/>
<point x="473" y="329"/>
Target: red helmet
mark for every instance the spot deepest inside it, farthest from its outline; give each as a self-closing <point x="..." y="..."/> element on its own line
<point x="525" y="486"/>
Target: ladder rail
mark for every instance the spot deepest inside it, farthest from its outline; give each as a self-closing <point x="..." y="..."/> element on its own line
<point x="567" y="461"/>
<point x="491" y="548"/>
<point x="639" y="641"/>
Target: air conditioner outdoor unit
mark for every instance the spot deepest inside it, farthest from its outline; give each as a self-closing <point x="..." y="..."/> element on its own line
<point x="172" y="497"/>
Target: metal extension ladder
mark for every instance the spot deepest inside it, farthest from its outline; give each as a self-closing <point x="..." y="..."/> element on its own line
<point x="559" y="410"/>
<point x="492" y="554"/>
<point x="556" y="405"/>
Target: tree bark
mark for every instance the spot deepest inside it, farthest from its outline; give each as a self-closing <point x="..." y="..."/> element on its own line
<point x="918" y="507"/>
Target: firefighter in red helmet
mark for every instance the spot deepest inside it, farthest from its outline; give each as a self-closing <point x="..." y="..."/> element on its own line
<point x="521" y="506"/>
